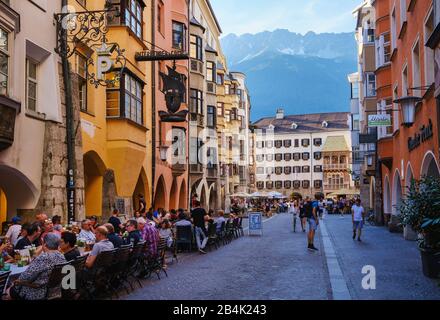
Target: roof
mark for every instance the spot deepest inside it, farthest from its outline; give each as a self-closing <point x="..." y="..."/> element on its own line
<point x="307" y="123"/>
<point x="194" y="22"/>
<point x="208" y="48"/>
<point x="215" y="17"/>
<point x="335" y="144"/>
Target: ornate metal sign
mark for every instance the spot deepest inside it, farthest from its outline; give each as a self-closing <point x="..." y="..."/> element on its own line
<point x="154" y="55"/>
<point x="109" y="57"/>
<point x="174" y="90"/>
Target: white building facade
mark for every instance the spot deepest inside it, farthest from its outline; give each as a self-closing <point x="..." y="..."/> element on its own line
<point x="303" y="154"/>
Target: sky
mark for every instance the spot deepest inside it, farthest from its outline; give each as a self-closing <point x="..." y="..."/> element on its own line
<point x="301" y="16"/>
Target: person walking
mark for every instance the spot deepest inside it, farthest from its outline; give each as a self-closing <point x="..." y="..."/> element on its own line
<point x="312" y="211"/>
<point x="358" y="217"/>
<point x="303" y="215"/>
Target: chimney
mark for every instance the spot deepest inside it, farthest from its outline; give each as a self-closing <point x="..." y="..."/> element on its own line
<point x="280" y="114"/>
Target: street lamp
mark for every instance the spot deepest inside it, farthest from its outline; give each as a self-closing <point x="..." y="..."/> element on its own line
<point x="408" y="105"/>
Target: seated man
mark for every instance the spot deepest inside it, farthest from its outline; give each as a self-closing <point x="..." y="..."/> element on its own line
<point x="14" y="230"/>
<point x="68" y="246"/>
<point x="32" y="237"/>
<point x="48" y="227"/>
<point x="220" y="220"/>
<point x="183" y="220"/>
<point x="103" y="244"/>
<point x="113" y="236"/>
<point x="86" y="233"/>
<point x="134" y="236"/>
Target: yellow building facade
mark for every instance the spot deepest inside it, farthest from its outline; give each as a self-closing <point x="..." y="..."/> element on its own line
<point x="116" y="120"/>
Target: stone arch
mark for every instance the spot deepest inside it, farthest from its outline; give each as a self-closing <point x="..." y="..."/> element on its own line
<point x="397" y="193"/>
<point x="174" y="197"/>
<point x="142" y="187"/>
<point x="387" y="196"/>
<point x="94" y="170"/>
<point x="159" y="198"/>
<point x="19" y="191"/>
<point x="430" y="166"/>
<point x="409" y="177"/>
<point x="212" y="197"/>
<point x="372" y="192"/>
<point x="183" y="196"/>
<point x="203" y="197"/>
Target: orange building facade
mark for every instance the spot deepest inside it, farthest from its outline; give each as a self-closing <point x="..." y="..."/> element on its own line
<point x="170" y="176"/>
<point x="405" y="67"/>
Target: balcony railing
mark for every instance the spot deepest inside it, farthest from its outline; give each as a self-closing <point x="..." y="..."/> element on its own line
<point x="336" y="187"/>
<point x="196" y="168"/>
<point x="340" y="166"/>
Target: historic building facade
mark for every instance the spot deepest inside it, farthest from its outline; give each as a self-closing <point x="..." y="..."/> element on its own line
<point x="116" y="121"/>
<point x="363" y="105"/>
<point x="303" y="154"/>
<point x="170" y="32"/>
<point x="32" y="114"/>
<point x="411" y="149"/>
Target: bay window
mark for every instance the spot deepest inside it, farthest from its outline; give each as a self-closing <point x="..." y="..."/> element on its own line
<point x="196" y="101"/>
<point x="4" y="62"/>
<point x="129" y="92"/>
<point x="370" y="85"/>
<point x="210" y="71"/>
<point x="196" y="47"/>
<point x="133" y="17"/>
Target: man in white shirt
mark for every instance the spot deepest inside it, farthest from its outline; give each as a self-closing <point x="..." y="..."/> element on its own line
<point x="86" y="233"/>
<point x="14" y="230"/>
<point x="358" y="217"/>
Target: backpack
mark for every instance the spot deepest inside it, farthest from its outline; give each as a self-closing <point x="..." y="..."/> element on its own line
<point x="308" y="210"/>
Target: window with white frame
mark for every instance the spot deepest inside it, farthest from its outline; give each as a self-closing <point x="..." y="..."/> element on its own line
<point x="133" y="17"/>
<point x="383" y="49"/>
<point x="4" y="61"/>
<point x="416" y="79"/>
<point x="31" y="85"/>
<point x="133" y="99"/>
<point x="396" y="115"/>
<point x="393" y="29"/>
<point x="370" y="84"/>
<point x="81" y="71"/>
<point x="405" y="81"/>
<point x="429" y="53"/>
<point x="403" y="17"/>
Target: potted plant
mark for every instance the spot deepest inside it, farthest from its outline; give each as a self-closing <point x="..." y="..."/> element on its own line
<point x="420" y="210"/>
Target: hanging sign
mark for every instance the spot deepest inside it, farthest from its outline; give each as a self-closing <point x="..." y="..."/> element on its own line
<point x="155" y="55"/>
<point x="379" y="120"/>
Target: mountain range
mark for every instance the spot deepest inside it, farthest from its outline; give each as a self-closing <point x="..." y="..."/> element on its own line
<point x="301" y="73"/>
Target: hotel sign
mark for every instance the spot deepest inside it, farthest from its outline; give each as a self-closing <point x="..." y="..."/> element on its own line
<point x="379" y="120"/>
<point x="155" y="55"/>
<point x="426" y="133"/>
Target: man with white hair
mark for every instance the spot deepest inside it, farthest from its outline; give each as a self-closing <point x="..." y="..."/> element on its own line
<point x="86" y="233"/>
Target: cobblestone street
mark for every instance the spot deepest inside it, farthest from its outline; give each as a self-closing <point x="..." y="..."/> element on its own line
<point x="278" y="266"/>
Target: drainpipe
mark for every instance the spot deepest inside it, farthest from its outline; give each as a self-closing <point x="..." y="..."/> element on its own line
<point x="153" y="102"/>
<point x="188" y="182"/>
<point x="70" y="131"/>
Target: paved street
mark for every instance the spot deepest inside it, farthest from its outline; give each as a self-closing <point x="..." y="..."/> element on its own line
<point x="277" y="266"/>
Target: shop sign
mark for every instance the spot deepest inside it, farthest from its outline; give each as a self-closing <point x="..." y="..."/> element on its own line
<point x="379" y="120"/>
<point x="426" y="133"/>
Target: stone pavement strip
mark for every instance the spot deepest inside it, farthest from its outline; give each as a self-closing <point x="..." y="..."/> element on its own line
<point x="277" y="266"/>
<point x="397" y="263"/>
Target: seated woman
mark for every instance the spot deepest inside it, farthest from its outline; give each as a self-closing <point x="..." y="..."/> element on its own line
<point x="165" y="232"/>
<point x="31" y="285"/>
<point x="68" y="246"/>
